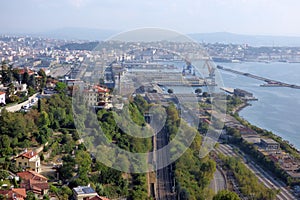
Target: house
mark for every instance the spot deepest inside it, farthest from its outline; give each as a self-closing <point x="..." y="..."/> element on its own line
<point x="19" y="87"/>
<point x="34" y="182"/>
<point x="98" y="97"/>
<point x="25" y="69"/>
<point x="29" y="160"/>
<point x="84" y="193"/>
<point x="2" y="98"/>
<point x="14" y="194"/>
<point x="98" y="198"/>
<point x="51" y="83"/>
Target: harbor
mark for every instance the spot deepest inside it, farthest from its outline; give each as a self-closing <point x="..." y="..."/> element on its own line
<point x="269" y="82"/>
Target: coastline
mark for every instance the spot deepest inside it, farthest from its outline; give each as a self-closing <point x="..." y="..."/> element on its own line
<point x="277" y="138"/>
<point x="284" y="100"/>
<point x="239" y="108"/>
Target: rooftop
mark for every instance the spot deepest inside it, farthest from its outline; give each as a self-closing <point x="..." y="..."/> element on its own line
<point x="269" y="141"/>
<point x="28" y="154"/>
<point x="27" y="175"/>
<point x="84" y="190"/>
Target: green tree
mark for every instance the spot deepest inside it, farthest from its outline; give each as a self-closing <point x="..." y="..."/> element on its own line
<point x="44" y="119"/>
<point x="184" y="194"/>
<point x="7" y="76"/>
<point x="170" y="91"/>
<point x="42" y="73"/>
<point x="3" y="174"/>
<point x="31" y="91"/>
<point x="39" y="105"/>
<point x="60" y="87"/>
<point x="226" y="195"/>
<point x="83" y="159"/>
<point x="32" y="82"/>
<point x="198" y="91"/>
<point x="30" y="196"/>
<point x="25" y="78"/>
<point x="10" y="89"/>
<point x="4" y="141"/>
<point x="66" y="171"/>
<point x="205" y="94"/>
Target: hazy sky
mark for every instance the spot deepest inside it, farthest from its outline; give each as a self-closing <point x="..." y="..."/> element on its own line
<point x="264" y="17"/>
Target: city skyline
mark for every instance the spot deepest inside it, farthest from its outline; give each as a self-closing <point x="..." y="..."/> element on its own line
<point x="253" y="17"/>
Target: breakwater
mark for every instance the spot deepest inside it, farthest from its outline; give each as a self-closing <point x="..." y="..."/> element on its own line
<point x="269" y="82"/>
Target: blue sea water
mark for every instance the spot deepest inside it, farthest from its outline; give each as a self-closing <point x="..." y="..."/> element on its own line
<point x="277" y="108"/>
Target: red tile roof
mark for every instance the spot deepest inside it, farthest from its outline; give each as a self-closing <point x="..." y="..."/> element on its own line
<point x="98" y="198"/>
<point x="97" y="88"/>
<point x="100" y="89"/>
<point x="38" y="185"/>
<point x="22" y="71"/>
<point x="28" y="154"/>
<point x="14" y="194"/>
<point x="27" y="175"/>
<point x="33" y="181"/>
<point x="20" y="192"/>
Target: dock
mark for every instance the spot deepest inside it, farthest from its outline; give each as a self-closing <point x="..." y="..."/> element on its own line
<point x="228" y="90"/>
<point x="269" y="82"/>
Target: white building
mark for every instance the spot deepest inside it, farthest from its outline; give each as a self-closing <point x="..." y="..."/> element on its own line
<point x="97" y="96"/>
<point x="29" y="160"/>
<point x="2" y="98"/>
<point x="84" y="193"/>
<point x="19" y="87"/>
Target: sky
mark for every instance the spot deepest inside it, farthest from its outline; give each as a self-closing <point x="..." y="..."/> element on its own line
<point x="253" y="17"/>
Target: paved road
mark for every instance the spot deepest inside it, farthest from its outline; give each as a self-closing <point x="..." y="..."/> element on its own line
<point x="218" y="182"/>
<point x="262" y="175"/>
<point x="17" y="107"/>
<point x="164" y="180"/>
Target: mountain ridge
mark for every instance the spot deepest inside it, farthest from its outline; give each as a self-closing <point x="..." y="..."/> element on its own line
<point x="93" y="34"/>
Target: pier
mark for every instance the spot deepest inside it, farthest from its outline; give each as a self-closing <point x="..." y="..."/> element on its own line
<point x="269" y="82"/>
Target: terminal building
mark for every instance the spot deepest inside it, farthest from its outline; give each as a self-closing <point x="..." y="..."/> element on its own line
<point x="242" y="93"/>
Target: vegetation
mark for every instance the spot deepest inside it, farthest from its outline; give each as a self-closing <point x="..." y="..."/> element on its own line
<point x="170" y="91"/>
<point x="106" y="180"/>
<point x="264" y="161"/>
<point x="284" y="145"/>
<point x="80" y="46"/>
<point x="52" y="122"/>
<point x="226" y="195"/>
<point x="192" y="180"/>
<point x="11" y="76"/>
<point x="248" y="183"/>
<point x="198" y="91"/>
<point x="233" y="102"/>
<point x="253" y="151"/>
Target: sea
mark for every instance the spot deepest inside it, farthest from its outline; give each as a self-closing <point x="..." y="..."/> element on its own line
<point x="277" y="108"/>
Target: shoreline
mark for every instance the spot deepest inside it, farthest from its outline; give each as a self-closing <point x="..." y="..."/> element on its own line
<point x="240" y="107"/>
<point x="246" y="104"/>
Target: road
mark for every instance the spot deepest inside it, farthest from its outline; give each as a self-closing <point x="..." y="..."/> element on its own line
<point x="218" y="182"/>
<point x="17" y="107"/>
<point x="263" y="176"/>
<point x="164" y="182"/>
